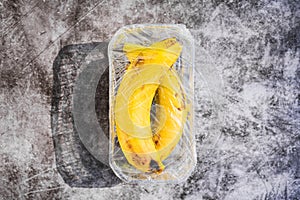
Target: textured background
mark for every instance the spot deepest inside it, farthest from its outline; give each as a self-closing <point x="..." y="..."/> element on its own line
<point x="247" y="94"/>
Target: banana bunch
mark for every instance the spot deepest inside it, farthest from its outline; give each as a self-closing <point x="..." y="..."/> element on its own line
<point x="150" y="77"/>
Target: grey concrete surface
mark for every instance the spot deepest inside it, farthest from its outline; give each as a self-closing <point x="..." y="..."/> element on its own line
<point x="247" y="95"/>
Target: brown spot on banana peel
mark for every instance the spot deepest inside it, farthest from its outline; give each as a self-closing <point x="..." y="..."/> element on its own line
<point x="129" y="146"/>
<point x="139" y="160"/>
<point x="170" y="43"/>
<point x="155" y="138"/>
<point x="155" y="167"/>
<point x="140" y="59"/>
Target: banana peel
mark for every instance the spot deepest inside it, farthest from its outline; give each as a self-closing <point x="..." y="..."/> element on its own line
<point x="132" y="116"/>
<point x="171" y="97"/>
<point x="165" y="52"/>
<point x="149" y="72"/>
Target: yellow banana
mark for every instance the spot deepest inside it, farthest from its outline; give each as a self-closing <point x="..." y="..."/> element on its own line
<point x="134" y="98"/>
<point x="171" y="98"/>
<point x="165" y="52"/>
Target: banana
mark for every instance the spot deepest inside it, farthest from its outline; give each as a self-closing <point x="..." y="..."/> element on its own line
<point x="132" y="115"/>
<point x="134" y="98"/>
<point x="165" y="52"/>
<point x="171" y="97"/>
<point x="171" y="105"/>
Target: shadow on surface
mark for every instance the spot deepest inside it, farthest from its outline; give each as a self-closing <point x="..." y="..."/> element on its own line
<point x="76" y="157"/>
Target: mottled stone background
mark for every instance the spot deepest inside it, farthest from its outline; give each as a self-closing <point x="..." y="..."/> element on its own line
<point x="247" y="85"/>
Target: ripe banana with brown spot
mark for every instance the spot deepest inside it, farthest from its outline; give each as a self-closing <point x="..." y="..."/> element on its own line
<point x="171" y="97"/>
<point x="134" y="98"/>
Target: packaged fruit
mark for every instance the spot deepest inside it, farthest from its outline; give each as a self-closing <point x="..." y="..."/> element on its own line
<point x="151" y="103"/>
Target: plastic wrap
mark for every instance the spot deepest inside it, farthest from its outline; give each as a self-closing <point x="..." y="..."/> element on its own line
<point x="151" y="103"/>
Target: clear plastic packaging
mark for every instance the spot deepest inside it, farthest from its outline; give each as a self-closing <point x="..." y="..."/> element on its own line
<point x="151" y="103"/>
